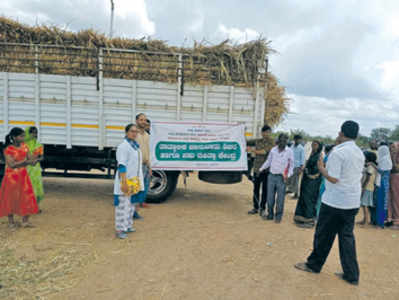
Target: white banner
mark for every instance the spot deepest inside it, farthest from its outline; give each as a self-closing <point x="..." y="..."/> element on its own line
<point x="198" y="146"/>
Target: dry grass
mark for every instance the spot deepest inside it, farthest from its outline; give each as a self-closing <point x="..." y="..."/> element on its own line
<point x="44" y="271"/>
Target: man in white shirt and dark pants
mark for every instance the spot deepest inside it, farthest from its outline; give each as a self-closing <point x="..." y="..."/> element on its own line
<point x="340" y="204"/>
<point x="280" y="161"/>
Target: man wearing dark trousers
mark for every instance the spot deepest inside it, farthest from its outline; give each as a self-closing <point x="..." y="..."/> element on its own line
<point x="262" y="149"/>
<point x="340" y="204"/>
<point x="280" y="161"/>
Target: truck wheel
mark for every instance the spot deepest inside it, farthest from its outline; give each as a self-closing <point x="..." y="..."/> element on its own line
<point x="162" y="185"/>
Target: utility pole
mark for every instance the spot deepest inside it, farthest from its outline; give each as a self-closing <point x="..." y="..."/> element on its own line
<point x="111" y="26"/>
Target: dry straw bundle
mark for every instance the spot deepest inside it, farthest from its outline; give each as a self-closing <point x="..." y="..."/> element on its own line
<point x="224" y="64"/>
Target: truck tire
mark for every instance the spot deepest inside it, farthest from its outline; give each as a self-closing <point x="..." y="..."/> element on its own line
<point x="220" y="177"/>
<point x="163" y="184"/>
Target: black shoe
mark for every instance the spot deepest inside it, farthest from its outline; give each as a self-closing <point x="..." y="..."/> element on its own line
<point x="342" y="276"/>
<point x="253" y="211"/>
<point x="304" y="267"/>
<point x="262" y="212"/>
<point x="305" y="225"/>
<point x="388" y="224"/>
<point x="267" y="217"/>
<point x="277" y="221"/>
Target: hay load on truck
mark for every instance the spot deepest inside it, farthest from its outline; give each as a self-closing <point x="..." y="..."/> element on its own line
<point x="81" y="89"/>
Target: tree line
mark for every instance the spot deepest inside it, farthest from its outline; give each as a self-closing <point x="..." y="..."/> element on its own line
<point x="377" y="134"/>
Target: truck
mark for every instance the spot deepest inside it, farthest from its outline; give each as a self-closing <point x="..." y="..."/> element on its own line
<point x="81" y="118"/>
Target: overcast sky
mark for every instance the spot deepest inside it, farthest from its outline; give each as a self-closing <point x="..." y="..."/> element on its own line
<point x="338" y="59"/>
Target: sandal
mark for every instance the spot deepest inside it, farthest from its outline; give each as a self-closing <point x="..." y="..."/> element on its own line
<point x="12" y="226"/>
<point x="28" y="225"/>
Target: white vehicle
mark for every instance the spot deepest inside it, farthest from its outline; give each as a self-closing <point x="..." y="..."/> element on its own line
<point x="81" y="119"/>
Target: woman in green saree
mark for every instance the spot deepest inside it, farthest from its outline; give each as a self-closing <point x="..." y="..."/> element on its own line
<point x="35" y="172"/>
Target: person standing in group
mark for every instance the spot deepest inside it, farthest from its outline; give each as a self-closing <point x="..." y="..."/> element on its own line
<point x="262" y="149"/>
<point x="129" y="181"/>
<point x="373" y="147"/>
<point x="327" y="151"/>
<point x="143" y="139"/>
<point x="305" y="212"/>
<point x="35" y="172"/>
<point x="368" y="186"/>
<point x="384" y="169"/>
<point x="17" y="196"/>
<point x="281" y="163"/>
<point x="148" y="126"/>
<point x="340" y="205"/>
<point x="299" y="162"/>
<point x="393" y="208"/>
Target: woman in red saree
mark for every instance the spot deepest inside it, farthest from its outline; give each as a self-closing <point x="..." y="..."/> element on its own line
<point x="16" y="193"/>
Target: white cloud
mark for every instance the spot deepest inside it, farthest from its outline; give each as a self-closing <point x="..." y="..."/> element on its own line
<point x="320" y="116"/>
<point x="238" y="35"/>
<point x="390" y="76"/>
<point x="197" y="24"/>
<point x="137" y="9"/>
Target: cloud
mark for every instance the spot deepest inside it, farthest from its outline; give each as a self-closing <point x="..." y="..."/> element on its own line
<point x="321" y="116"/>
<point x="126" y="11"/>
<point x="321" y="63"/>
<point x="131" y="17"/>
<point x="236" y="35"/>
<point x="338" y="59"/>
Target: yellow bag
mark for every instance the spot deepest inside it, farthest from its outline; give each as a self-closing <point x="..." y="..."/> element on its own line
<point x="133" y="185"/>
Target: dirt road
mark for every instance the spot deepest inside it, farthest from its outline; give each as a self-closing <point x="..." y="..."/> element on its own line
<point x="201" y="244"/>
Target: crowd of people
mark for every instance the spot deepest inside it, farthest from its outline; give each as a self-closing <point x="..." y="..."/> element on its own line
<point x="21" y="190"/>
<point x="330" y="188"/>
<point x="330" y="185"/>
<point x="301" y="177"/>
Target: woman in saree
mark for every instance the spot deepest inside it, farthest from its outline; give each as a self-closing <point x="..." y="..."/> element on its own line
<point x="129" y="181"/>
<point x="35" y="172"/>
<point x="305" y="211"/>
<point x="384" y="169"/>
<point x="393" y="207"/>
<point x="16" y="193"/>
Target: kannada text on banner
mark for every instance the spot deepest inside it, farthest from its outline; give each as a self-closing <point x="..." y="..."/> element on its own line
<point x="198" y="146"/>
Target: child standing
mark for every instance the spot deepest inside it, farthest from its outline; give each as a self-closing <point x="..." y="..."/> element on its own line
<point x="368" y="186"/>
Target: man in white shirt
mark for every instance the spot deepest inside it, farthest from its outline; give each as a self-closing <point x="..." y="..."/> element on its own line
<point x="340" y="204"/>
<point x="280" y="163"/>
